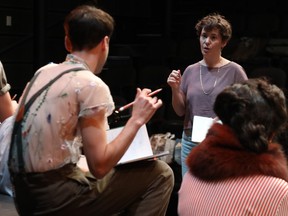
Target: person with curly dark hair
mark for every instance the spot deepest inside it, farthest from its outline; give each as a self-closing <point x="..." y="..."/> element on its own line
<point x="238" y="169"/>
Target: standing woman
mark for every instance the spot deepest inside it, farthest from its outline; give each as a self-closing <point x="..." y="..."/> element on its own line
<point x="194" y="93"/>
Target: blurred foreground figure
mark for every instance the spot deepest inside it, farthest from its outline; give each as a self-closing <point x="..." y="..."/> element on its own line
<point x="238" y="169"/>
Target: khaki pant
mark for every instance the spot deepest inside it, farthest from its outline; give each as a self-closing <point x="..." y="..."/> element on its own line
<point x="140" y="188"/>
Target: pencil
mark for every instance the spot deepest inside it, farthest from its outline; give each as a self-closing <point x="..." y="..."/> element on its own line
<point x="14" y="97"/>
<point x="131" y="104"/>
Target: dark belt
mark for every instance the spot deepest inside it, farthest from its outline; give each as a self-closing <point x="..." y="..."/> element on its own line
<point x="47" y="176"/>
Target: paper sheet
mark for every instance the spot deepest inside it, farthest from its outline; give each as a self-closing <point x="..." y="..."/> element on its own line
<point x="200" y="127"/>
<point x="140" y="148"/>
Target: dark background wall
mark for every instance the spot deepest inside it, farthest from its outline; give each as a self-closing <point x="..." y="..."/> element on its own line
<point x="151" y="38"/>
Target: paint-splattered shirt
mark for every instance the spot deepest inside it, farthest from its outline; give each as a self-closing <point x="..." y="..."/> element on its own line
<point x="50" y="133"/>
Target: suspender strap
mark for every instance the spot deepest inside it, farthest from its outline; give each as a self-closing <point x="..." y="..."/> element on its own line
<point x="17" y="132"/>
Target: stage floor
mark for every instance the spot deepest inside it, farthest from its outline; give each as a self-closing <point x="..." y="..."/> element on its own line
<point x="7" y="207"/>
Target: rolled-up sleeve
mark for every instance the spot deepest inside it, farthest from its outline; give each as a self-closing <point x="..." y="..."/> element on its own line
<point x="95" y="96"/>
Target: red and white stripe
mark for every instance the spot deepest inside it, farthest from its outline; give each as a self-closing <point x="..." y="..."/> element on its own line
<point x="254" y="195"/>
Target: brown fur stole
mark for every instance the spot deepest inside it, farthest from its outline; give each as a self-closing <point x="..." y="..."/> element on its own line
<point x="221" y="156"/>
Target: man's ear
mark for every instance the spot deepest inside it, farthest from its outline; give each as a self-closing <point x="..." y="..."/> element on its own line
<point x="68" y="44"/>
<point x="105" y="42"/>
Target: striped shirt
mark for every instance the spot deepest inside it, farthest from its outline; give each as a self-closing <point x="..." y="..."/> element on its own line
<point x="254" y="195"/>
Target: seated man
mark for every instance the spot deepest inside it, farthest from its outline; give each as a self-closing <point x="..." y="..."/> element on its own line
<point x="71" y="115"/>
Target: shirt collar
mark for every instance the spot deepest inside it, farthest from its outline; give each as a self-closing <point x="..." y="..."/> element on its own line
<point x="73" y="59"/>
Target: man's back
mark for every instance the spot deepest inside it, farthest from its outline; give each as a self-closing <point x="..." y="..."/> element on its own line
<point x="50" y="126"/>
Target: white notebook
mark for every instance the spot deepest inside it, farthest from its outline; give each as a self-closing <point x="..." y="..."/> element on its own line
<point x="200" y="128"/>
<point x="140" y="148"/>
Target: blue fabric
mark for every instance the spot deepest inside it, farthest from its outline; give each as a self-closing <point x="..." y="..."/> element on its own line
<point x="187" y="146"/>
<point x="5" y="135"/>
<point x="5" y="183"/>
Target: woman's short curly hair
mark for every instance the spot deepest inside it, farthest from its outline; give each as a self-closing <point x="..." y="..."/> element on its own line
<point x="215" y="20"/>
